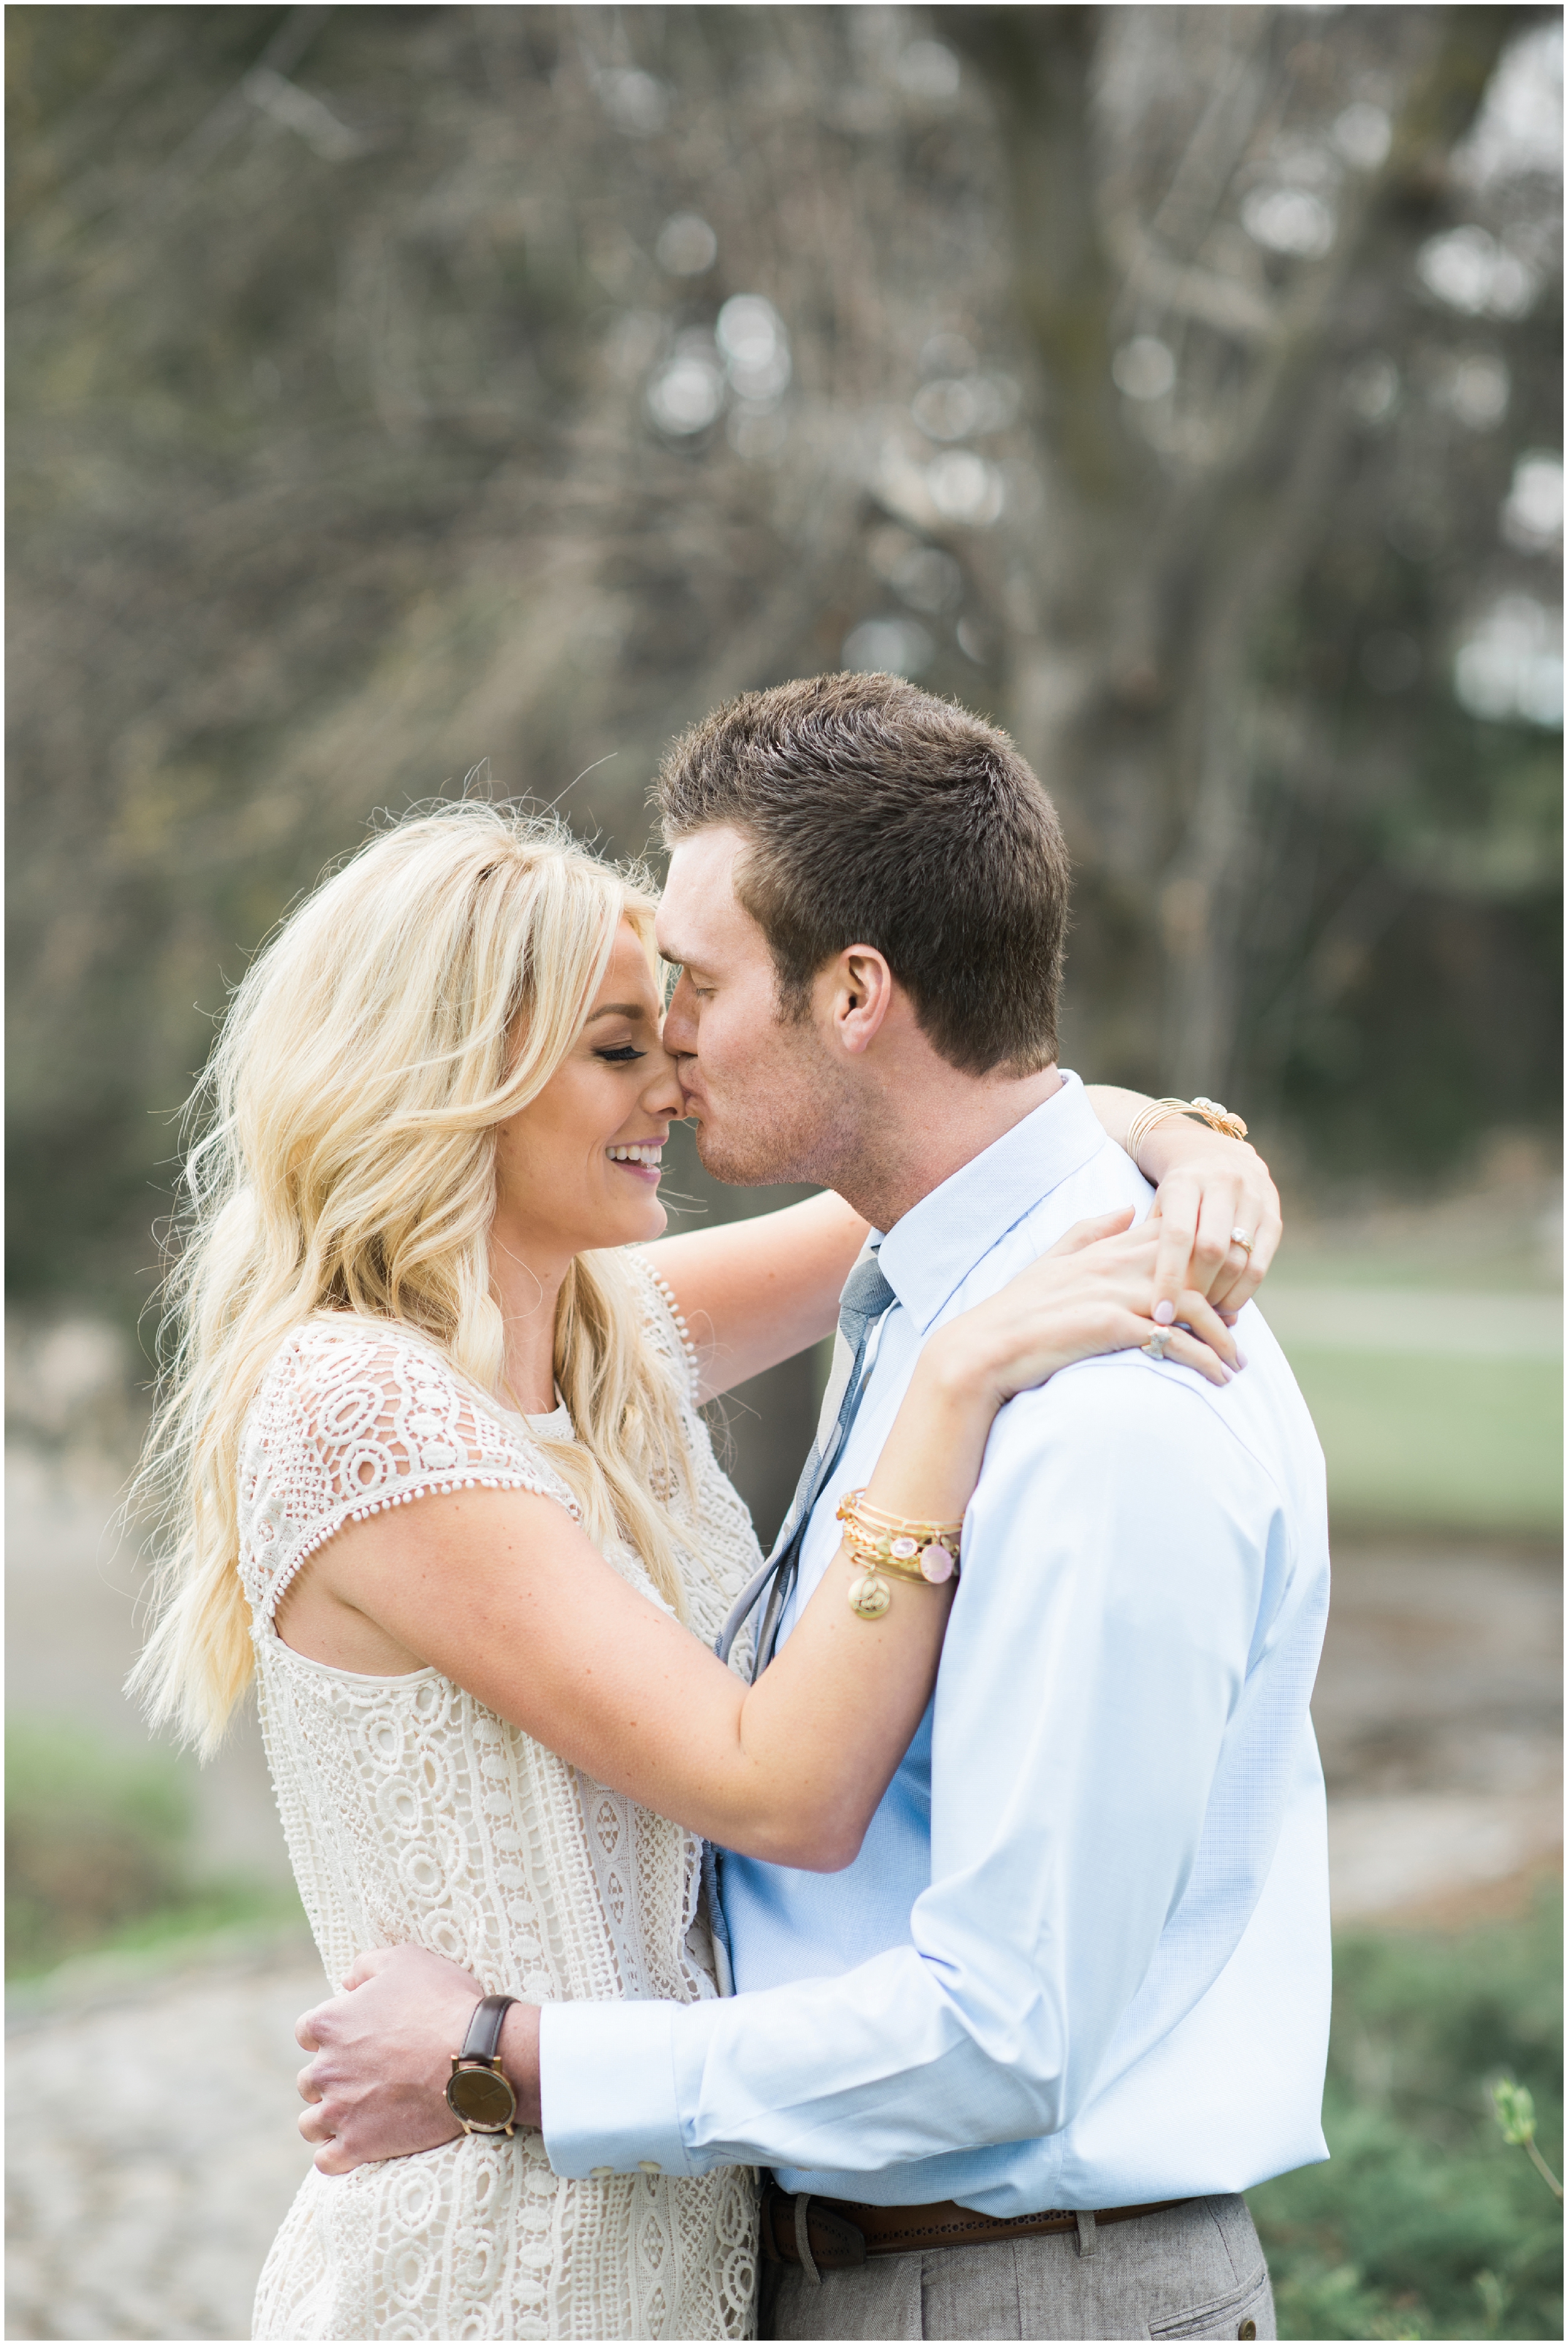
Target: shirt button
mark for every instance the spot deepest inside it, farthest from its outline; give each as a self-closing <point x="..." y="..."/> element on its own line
<point x="600" y="2173"/>
<point x="648" y="2165"/>
<point x="1247" y="2329"/>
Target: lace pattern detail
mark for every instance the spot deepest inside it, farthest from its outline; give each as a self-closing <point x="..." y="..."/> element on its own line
<point x="351" y="1418"/>
<point x="415" y="1814"/>
<point x="677" y="1320"/>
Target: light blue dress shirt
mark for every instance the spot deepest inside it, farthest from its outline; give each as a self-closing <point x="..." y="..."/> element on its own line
<point x="1082" y="1959"/>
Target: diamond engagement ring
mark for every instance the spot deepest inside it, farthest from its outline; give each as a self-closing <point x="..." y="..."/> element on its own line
<point x="1240" y="1238"/>
<point x="1157" y="1342"/>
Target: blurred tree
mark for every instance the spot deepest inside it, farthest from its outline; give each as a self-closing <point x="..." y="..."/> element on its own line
<point x="1240" y="674"/>
<point x="396" y="390"/>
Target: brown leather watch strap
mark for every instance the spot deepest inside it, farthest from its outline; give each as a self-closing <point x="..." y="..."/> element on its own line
<point x="482" y="2041"/>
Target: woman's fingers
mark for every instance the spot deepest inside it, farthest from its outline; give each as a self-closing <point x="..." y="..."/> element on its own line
<point x="1130" y="1331"/>
<point x="1258" y="1217"/>
<point x="1201" y="1206"/>
<point x="1122" y="1286"/>
<point x="1194" y="1353"/>
<point x="1265" y="1246"/>
<point x="1175" y="1214"/>
<point x="1235" y="1286"/>
<point x="1223" y="1196"/>
<point x="1090" y="1232"/>
<point x="1196" y="1312"/>
<point x="1199" y="1338"/>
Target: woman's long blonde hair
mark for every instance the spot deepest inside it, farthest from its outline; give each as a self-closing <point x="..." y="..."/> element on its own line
<point x="346" y="1162"/>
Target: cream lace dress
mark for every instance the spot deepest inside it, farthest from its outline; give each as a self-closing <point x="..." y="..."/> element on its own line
<point x="415" y="1815"/>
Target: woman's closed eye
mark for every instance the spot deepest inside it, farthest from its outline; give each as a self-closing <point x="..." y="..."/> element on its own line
<point x="620" y="1054"/>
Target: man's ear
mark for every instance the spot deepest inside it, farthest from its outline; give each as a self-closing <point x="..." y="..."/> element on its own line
<point x="859" y="989"/>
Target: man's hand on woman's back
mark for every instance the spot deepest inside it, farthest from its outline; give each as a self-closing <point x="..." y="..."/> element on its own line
<point x="382" y="2053"/>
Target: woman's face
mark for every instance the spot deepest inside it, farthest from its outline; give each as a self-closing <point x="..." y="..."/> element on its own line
<point x="579" y="1166"/>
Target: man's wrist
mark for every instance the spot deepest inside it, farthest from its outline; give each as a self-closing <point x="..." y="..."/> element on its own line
<point x="519" y="2057"/>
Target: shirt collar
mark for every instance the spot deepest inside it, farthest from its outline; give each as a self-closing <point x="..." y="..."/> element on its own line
<point x="930" y="1253"/>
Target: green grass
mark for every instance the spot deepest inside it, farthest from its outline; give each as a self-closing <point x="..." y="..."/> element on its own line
<point x="98" y="1853"/>
<point x="1440" y="1444"/>
<point x="1425" y="2222"/>
<point x="191" y="1921"/>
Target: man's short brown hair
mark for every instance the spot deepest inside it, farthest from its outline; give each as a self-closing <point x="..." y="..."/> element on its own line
<point x="880" y="816"/>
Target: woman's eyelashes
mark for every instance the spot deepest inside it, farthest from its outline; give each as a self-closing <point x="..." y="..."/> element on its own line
<point x="621" y="1054"/>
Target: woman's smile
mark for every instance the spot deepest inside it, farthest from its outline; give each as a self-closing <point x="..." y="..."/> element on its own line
<point x="641" y="1158"/>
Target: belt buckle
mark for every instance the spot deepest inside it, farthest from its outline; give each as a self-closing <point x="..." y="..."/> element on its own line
<point x="840" y="2245"/>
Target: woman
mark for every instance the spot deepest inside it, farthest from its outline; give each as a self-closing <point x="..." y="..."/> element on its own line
<point x="494" y="1720"/>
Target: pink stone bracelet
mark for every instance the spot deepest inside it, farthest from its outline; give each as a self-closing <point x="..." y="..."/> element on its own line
<point x="880" y="1542"/>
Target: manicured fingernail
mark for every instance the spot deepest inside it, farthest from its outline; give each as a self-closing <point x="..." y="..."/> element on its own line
<point x="1163" y="1313"/>
<point x="1242" y="1359"/>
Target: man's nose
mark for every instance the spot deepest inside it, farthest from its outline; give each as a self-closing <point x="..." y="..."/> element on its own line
<point x="680" y="1020"/>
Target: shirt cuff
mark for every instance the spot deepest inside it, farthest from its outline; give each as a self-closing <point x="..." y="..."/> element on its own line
<point x="607" y="2087"/>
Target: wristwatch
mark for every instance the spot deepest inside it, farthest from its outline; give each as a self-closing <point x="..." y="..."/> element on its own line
<point x="478" y="2092"/>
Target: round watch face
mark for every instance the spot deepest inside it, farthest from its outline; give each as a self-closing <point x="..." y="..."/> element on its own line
<point x="480" y="2097"/>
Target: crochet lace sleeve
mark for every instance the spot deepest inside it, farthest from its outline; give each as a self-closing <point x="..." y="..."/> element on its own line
<point x="666" y="1326"/>
<point x="352" y="1420"/>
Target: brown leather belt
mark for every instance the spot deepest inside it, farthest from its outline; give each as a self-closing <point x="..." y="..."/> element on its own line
<point x="838" y="2233"/>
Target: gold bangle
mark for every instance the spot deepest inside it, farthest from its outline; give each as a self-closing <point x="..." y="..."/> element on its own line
<point x="856" y="1502"/>
<point x="882" y="1543"/>
<point x="1204" y="1111"/>
<point x="1146" y="1118"/>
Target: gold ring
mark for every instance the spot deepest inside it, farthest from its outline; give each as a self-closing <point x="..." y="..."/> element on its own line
<point x="1240" y="1238"/>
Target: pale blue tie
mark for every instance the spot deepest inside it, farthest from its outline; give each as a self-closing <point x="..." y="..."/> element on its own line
<point x="866" y="1297"/>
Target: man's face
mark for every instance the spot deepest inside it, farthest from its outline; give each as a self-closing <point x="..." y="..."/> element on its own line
<point x="762" y="1090"/>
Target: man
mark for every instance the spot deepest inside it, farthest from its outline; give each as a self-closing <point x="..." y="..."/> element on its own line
<point x="1012" y="2067"/>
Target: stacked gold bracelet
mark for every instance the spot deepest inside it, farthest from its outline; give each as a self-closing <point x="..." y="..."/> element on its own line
<point x="882" y="1546"/>
<point x="1207" y="1111"/>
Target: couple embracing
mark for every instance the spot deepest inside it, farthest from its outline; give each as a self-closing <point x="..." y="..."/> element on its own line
<point x="922" y="1934"/>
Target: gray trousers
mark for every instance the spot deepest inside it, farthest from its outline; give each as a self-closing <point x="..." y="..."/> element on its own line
<point x="1195" y="2271"/>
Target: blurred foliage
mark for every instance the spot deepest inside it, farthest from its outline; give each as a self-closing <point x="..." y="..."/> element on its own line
<point x="1425" y="2223"/>
<point x="1446" y="1444"/>
<point x="1164" y="382"/>
<point x="1515" y="2107"/>
<point x="96" y="1852"/>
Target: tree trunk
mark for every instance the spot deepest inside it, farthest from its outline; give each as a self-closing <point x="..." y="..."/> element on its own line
<point x="1135" y="695"/>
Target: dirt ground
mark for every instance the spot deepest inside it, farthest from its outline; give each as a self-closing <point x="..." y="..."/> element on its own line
<point x="151" y="2149"/>
<point x="1439" y="1712"/>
